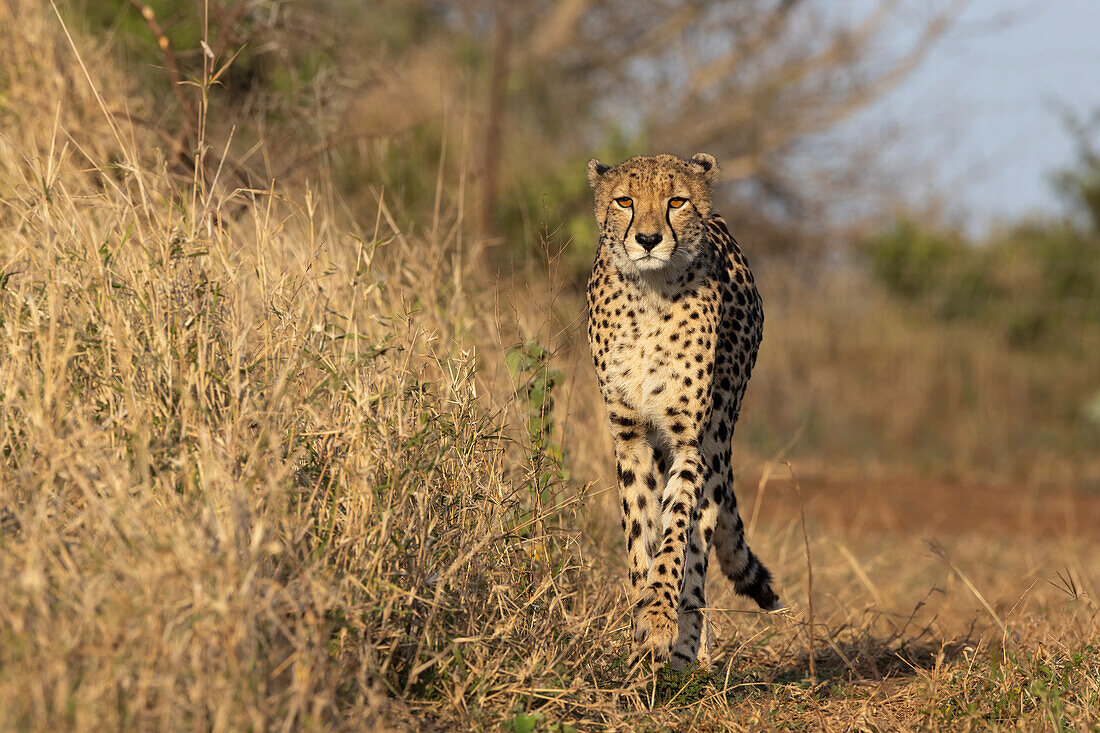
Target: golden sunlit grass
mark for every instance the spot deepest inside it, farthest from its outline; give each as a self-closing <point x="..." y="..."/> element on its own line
<point x="263" y="470"/>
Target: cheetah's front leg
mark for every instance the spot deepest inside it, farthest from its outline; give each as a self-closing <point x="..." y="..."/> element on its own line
<point x="657" y="620"/>
<point x="693" y="642"/>
<point x="637" y="480"/>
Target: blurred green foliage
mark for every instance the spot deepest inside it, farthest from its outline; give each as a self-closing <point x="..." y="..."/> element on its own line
<point x="550" y="198"/>
<point x="291" y="63"/>
<point x="265" y="58"/>
<point x="1037" y="282"/>
<point x="1080" y="185"/>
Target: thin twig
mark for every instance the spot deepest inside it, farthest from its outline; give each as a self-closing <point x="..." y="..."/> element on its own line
<point x="939" y="551"/>
<point x="171" y="66"/>
<point x="809" y="569"/>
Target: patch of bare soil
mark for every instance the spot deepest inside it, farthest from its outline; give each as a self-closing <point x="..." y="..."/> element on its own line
<point x="912" y="505"/>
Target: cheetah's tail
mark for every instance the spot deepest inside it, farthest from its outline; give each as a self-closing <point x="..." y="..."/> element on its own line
<point x="739" y="564"/>
<point x="755" y="581"/>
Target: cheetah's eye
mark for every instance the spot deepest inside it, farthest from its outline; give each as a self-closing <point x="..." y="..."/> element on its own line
<point x="677" y="202"/>
<point x="625" y="201"/>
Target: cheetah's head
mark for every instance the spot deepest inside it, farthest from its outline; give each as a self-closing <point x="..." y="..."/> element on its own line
<point x="651" y="210"/>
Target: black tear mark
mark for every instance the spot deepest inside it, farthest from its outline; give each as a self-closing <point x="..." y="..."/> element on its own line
<point x="668" y="220"/>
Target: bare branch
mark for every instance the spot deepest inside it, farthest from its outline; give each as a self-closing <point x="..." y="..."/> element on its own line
<point x="557" y="30"/>
<point x="797" y="111"/>
<point x="171" y="66"/>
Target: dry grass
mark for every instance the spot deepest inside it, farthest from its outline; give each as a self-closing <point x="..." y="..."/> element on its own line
<point x="865" y="382"/>
<point x="263" y="470"/>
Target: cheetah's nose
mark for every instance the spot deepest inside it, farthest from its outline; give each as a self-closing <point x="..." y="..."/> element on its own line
<point x="648" y="241"/>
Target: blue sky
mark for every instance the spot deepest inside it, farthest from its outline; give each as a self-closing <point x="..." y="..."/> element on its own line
<point x="986" y="108"/>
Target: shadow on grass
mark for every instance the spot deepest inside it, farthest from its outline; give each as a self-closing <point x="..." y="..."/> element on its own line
<point x="868" y="660"/>
<point x="838" y="667"/>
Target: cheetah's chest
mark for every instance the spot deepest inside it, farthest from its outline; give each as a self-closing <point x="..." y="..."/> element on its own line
<point x="656" y="355"/>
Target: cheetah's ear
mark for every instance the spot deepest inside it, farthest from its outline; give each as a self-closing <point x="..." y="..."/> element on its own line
<point x="595" y="170"/>
<point x="706" y="164"/>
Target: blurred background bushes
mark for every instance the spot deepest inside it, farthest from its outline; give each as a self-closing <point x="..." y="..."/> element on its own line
<point x="509" y="100"/>
<point x="1036" y="281"/>
<point x="895" y="335"/>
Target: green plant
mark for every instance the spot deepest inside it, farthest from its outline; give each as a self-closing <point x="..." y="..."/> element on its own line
<point x="529" y="365"/>
<point x="535" y="722"/>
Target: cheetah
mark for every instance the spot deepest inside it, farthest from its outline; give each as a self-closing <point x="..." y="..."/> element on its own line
<point x="674" y="324"/>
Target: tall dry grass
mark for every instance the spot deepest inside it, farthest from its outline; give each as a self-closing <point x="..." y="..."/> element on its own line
<point x="247" y="479"/>
<point x="265" y="468"/>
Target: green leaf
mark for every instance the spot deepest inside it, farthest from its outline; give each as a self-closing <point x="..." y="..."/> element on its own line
<point x="525" y="722"/>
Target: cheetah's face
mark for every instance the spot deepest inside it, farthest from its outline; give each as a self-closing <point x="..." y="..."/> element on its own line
<point x="651" y="209"/>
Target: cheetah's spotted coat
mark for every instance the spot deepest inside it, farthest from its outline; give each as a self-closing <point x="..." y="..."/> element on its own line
<point x="674" y="323"/>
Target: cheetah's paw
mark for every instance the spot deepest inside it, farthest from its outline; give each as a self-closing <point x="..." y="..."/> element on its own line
<point x="655" y="632"/>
